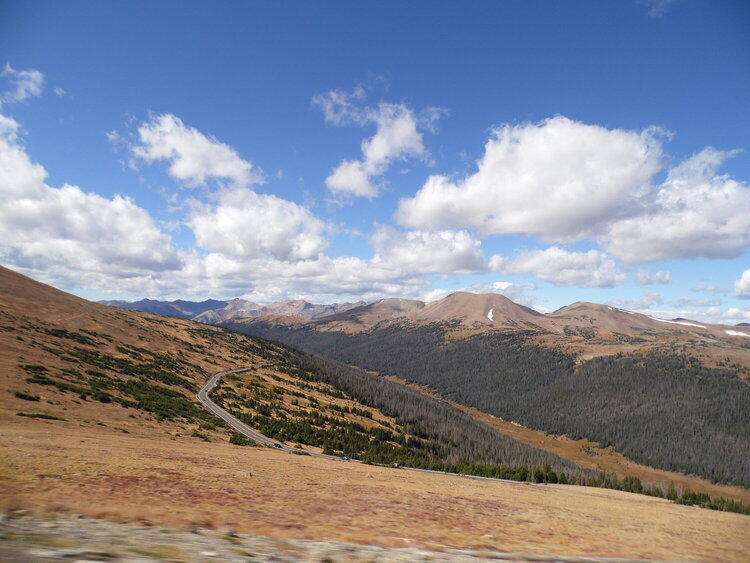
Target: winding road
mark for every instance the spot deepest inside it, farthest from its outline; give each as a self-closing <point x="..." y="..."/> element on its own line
<point x="256" y="436"/>
<point x="241" y="427"/>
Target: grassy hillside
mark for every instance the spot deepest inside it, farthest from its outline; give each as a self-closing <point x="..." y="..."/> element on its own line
<point x="61" y="467"/>
<point x="66" y="359"/>
<point x="660" y="408"/>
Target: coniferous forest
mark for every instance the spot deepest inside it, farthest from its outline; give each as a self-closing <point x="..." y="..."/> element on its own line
<point x="660" y="408"/>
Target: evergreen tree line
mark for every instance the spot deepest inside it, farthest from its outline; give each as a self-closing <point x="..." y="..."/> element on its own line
<point x="659" y="408"/>
<point x="443" y="433"/>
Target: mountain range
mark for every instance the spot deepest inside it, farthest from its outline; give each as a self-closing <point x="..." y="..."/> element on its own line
<point x="475" y="310"/>
<point x="585" y="329"/>
<point x="668" y="395"/>
<point x="212" y="311"/>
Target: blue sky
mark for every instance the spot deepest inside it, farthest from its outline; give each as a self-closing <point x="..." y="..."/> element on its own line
<point x="551" y="151"/>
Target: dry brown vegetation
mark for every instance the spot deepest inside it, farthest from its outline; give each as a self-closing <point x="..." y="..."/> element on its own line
<point x="105" y="460"/>
<point x="54" y="466"/>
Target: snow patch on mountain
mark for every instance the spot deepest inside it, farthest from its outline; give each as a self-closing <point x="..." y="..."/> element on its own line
<point x="736" y="333"/>
<point x="678" y="322"/>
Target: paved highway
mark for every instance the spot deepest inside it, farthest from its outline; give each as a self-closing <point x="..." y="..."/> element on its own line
<point x="241" y="427"/>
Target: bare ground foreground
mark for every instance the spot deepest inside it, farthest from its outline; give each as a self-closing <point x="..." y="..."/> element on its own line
<point x="51" y="467"/>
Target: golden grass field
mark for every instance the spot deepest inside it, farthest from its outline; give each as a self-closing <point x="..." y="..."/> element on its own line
<point x="151" y="475"/>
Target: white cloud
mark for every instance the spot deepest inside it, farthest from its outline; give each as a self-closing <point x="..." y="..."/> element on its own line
<point x="691" y="302"/>
<point x="193" y="157"/>
<point x="351" y="177"/>
<point x="558" y="179"/>
<point x="657" y="8"/>
<point x="742" y="285"/>
<point x="27" y="84"/>
<point x="513" y="291"/>
<point x="68" y="236"/>
<point x="710" y="315"/>
<point x="343" y="108"/>
<point x="266" y="279"/>
<point x="562" y="181"/>
<point x="695" y="212"/>
<point x="639" y="304"/>
<point x="59" y="91"/>
<point x="255" y="243"/>
<point x="645" y="277"/>
<point x="561" y="267"/>
<point x="397" y="137"/>
<point x="21" y="178"/>
<point x="427" y="252"/>
<point x="244" y="224"/>
<point x="710" y="289"/>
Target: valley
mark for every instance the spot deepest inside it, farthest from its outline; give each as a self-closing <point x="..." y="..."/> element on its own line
<point x="655" y="405"/>
<point x="99" y="416"/>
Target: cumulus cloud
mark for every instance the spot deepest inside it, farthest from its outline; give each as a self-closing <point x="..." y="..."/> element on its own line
<point x="514" y="291"/>
<point x="351" y="177"/>
<point x="559" y="179"/>
<point x="266" y="279"/>
<point x="249" y="243"/>
<point x="244" y="224"/>
<point x="742" y="285"/>
<point x="271" y="248"/>
<point x="646" y="302"/>
<point x="396" y="270"/>
<point x="64" y="234"/>
<point x="26" y="84"/>
<point x="563" y="181"/>
<point x="694" y="213"/>
<point x="562" y="267"/>
<point x="397" y="137"/>
<point x="193" y="157"/>
<point x="427" y="252"/>
<point x="645" y="277"/>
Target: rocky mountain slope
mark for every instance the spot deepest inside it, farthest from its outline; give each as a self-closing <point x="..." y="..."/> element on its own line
<point x="212" y="311"/>
<point x="585" y="330"/>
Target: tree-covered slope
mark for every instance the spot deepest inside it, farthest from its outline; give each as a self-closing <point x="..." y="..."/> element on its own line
<point x="659" y="408"/>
